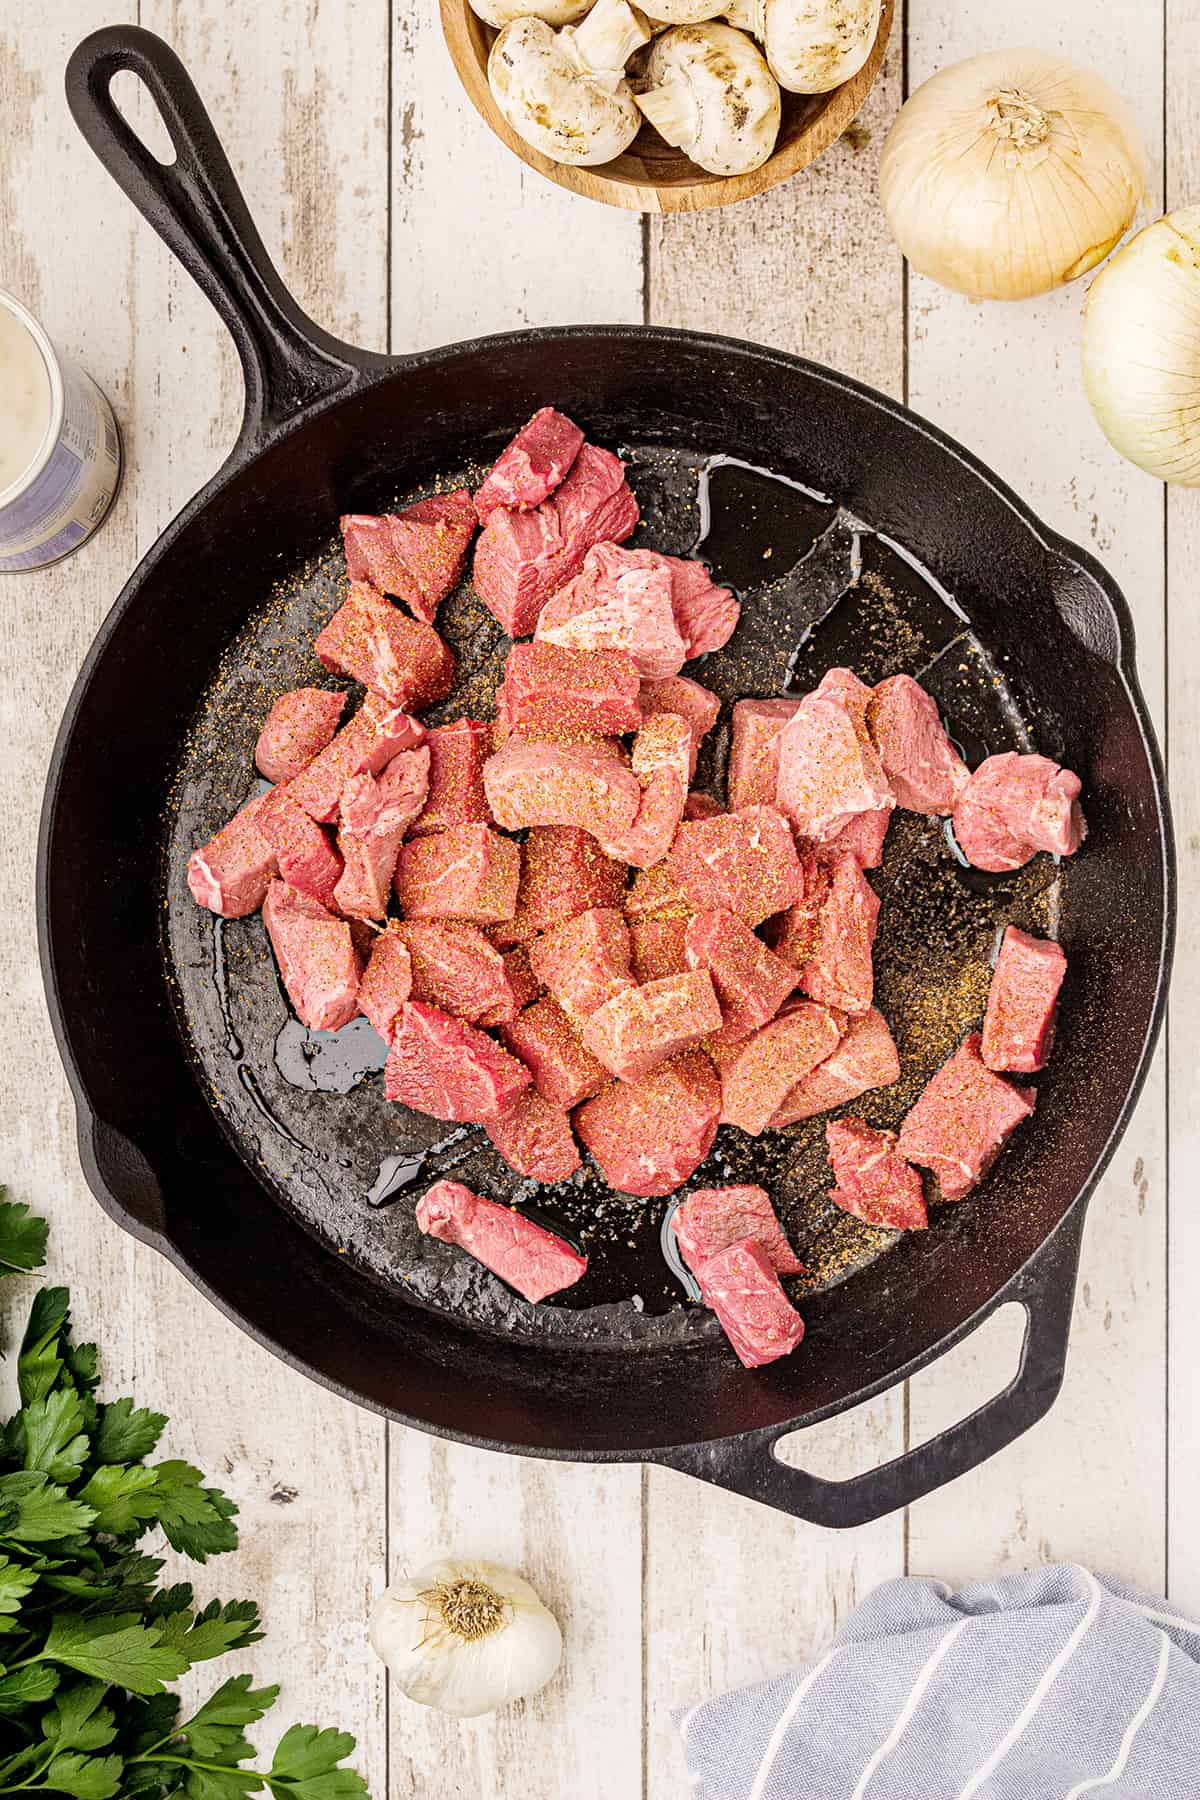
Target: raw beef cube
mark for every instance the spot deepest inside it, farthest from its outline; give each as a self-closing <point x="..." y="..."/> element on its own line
<point x="563" y="873"/>
<point x="418" y="554"/>
<point x="697" y="705"/>
<point x="751" y="1307"/>
<point x="320" y="967"/>
<point x="561" y="784"/>
<point x="364" y="746"/>
<point x="1018" y="1029"/>
<point x="455" y="968"/>
<point x="232" y="872"/>
<point x="303" y="853"/>
<point x="457" y="754"/>
<point x="443" y="1066"/>
<point x="839" y="970"/>
<point x="617" y="602"/>
<point x="655" y="894"/>
<point x="387" y="982"/>
<point x="744" y="862"/>
<point x="924" y="770"/>
<point x="376" y="811"/>
<point x="658" y="947"/>
<point x="466" y="872"/>
<point x="664" y="742"/>
<point x="1014" y="805"/>
<point x="566" y="695"/>
<point x="298" y="727"/>
<point x="533" y="1261"/>
<point x="549" y="1045"/>
<point x="829" y="769"/>
<point x="753" y="772"/>
<point x="524" y="557"/>
<point x="706" y="614"/>
<point x="535" y="1138"/>
<point x="522" y="988"/>
<point x="959" y="1124"/>
<point x="866" y="1058"/>
<point x="584" y="961"/>
<point x="402" y="660"/>
<point x="648" y="1135"/>
<point x="862" y="838"/>
<point x="701" y="806"/>
<point x="711" y="1219"/>
<point x="752" y="984"/>
<point x="756" y="1083"/>
<point x="874" y="1182"/>
<point x="652" y="832"/>
<point x="529" y="470"/>
<point x="793" y="935"/>
<point x="642" y="1027"/>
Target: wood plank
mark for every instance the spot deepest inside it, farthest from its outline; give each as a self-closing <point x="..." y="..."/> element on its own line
<point x="480" y="242"/>
<point x="810" y="268"/>
<point x="1183" y="700"/>
<point x="75" y="282"/>
<point x="301" y="105"/>
<point x="1087" y="1482"/>
<point x="477" y="246"/>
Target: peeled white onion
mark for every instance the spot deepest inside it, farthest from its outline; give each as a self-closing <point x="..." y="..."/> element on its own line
<point x="1141" y="348"/>
<point x="466" y="1637"/>
<point x="1011" y="173"/>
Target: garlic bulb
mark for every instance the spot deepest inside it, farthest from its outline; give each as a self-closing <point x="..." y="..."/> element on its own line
<point x="1011" y="173"/>
<point x="1141" y="348"/>
<point x="466" y="1637"/>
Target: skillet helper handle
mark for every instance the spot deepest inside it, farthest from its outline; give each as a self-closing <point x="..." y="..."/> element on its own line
<point x="1046" y="1290"/>
<point x="197" y="208"/>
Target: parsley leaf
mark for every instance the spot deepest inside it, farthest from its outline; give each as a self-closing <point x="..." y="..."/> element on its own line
<point x="54" y="1439"/>
<point x="34" y="1510"/>
<point x="23" y="1687"/>
<point x="22" y="1238"/>
<point x="196" y="1519"/>
<point x="116" y="1649"/>
<point x="39" y="1364"/>
<point x="77" y="1721"/>
<point x="126" y="1434"/>
<point x="15" y="1582"/>
<point x="124" y="1500"/>
<point x="307" y="1760"/>
<point x="87" y="1777"/>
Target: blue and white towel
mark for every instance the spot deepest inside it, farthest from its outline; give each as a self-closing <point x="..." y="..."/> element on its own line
<point x="1045" y="1686"/>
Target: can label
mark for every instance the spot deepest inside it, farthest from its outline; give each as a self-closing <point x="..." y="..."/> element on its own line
<point x="67" y="499"/>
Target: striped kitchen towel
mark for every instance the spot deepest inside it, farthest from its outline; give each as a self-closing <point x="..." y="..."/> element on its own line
<point x="1044" y="1686"/>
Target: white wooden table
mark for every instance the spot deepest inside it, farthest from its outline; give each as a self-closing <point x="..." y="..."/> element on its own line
<point x="400" y="222"/>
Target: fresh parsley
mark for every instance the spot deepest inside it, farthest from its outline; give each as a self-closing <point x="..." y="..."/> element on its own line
<point x="89" y="1640"/>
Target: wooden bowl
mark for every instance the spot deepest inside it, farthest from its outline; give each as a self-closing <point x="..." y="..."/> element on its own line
<point x="651" y="176"/>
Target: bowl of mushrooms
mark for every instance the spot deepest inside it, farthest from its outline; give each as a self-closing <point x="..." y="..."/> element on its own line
<point x="694" y="103"/>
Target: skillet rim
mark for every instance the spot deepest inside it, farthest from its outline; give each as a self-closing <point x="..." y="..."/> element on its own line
<point x="372" y="371"/>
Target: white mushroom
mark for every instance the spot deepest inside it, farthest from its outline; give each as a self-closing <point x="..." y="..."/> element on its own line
<point x="811" y="45"/>
<point x="707" y="90"/>
<point x="553" y="12"/>
<point x="683" y="12"/>
<point x="565" y="91"/>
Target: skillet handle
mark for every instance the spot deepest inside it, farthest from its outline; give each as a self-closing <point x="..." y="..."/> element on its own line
<point x="748" y="1465"/>
<point x="196" y="207"/>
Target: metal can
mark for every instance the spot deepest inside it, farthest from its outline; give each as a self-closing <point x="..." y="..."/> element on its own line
<point x="60" y="452"/>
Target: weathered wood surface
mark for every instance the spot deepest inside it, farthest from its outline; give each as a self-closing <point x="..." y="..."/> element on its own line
<point x="401" y="221"/>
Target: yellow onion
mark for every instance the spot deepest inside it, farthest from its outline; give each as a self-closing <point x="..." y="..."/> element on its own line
<point x="1010" y="173"/>
<point x="1141" y="348"/>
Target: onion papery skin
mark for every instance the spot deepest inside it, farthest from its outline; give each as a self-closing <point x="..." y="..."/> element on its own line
<point x="996" y="218"/>
<point x="1141" y="348"/>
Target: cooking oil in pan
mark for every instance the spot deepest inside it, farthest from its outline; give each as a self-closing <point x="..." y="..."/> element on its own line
<point x="818" y="588"/>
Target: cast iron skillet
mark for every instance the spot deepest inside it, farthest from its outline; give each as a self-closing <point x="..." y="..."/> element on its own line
<point x="328" y="429"/>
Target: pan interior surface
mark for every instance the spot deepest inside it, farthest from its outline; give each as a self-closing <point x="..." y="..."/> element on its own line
<point x="306" y="1110"/>
<point x="174" y="1030"/>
